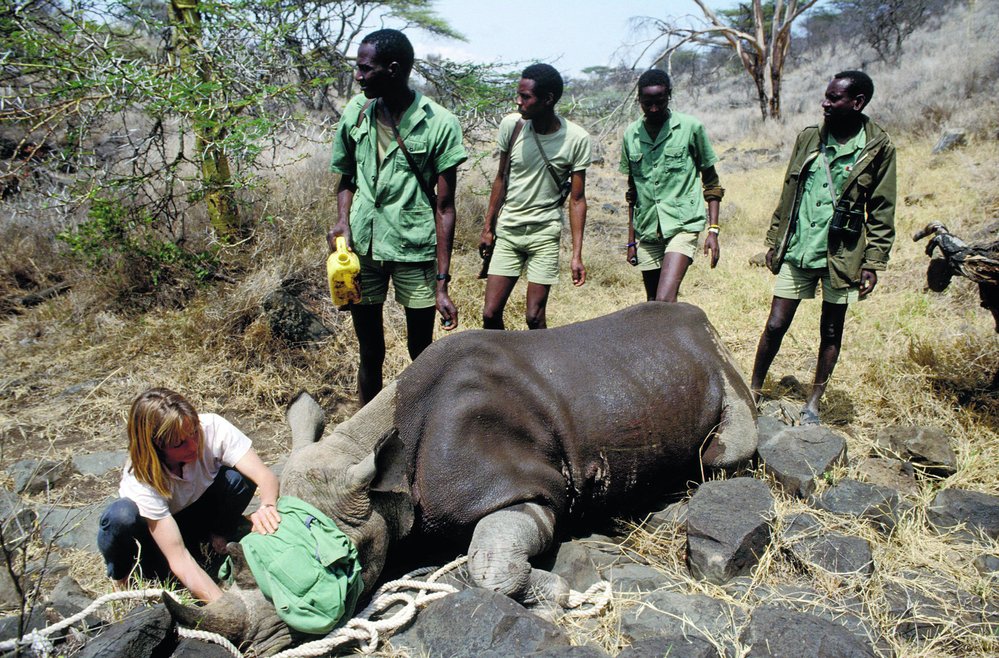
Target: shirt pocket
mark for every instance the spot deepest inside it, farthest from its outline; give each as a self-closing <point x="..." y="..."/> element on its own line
<point x="675" y="160"/>
<point x="417" y="228"/>
<point x="635" y="166"/>
<point x="419" y="150"/>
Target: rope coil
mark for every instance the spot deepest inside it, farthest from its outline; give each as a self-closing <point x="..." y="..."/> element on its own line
<point x="366" y="628"/>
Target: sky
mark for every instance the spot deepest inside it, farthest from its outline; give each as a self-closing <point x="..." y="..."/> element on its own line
<point x="569" y="34"/>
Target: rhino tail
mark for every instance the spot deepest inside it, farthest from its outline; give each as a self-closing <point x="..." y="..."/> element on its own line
<point x="307" y="420"/>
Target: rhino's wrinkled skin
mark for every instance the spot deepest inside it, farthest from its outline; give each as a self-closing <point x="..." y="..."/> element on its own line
<point x="512" y="435"/>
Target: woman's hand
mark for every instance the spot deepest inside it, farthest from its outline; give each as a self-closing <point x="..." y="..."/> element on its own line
<point x="266" y="519"/>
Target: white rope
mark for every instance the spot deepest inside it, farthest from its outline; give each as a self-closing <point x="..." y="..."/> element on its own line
<point x="33" y="636"/>
<point x="366" y="628"/>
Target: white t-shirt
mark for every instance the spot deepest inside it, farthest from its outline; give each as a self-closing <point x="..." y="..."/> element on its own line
<point x="224" y="446"/>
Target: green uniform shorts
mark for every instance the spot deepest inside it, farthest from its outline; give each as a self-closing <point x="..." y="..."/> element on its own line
<point x="535" y="246"/>
<point x="415" y="284"/>
<point x="651" y="253"/>
<point x="797" y="283"/>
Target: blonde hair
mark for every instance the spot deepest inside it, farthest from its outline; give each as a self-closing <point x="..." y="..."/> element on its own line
<point x="156" y="420"/>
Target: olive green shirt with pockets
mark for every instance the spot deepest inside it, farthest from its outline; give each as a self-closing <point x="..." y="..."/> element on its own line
<point x="532" y="195"/>
<point x="810" y="240"/>
<point x="390" y="217"/>
<point x="666" y="172"/>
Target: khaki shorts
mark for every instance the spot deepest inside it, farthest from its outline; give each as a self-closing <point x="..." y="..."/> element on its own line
<point x="535" y="246"/>
<point x="797" y="283"/>
<point x="651" y="253"/>
<point x="415" y="284"/>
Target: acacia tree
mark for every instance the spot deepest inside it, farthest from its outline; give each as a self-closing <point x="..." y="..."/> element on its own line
<point x="758" y="32"/>
<point x="144" y="109"/>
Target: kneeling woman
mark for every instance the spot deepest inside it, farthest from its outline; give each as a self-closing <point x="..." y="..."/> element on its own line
<point x="188" y="479"/>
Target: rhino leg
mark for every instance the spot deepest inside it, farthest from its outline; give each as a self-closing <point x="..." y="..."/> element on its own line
<point x="501" y="547"/>
<point x="736" y="437"/>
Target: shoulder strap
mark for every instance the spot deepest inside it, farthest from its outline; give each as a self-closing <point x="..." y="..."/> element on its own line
<point x="360" y="115"/>
<point x="427" y="190"/>
<point x="548" y="164"/>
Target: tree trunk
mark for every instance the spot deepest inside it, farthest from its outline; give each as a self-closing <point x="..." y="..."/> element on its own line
<point x="216" y="178"/>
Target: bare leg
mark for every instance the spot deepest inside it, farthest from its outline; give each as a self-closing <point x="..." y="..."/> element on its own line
<point x="498" y="289"/>
<point x="419" y="329"/>
<point x="830" y="339"/>
<point x="781" y="314"/>
<point x="671" y="275"/>
<point x="371" y="342"/>
<point x="650" y="278"/>
<point x="537" y="304"/>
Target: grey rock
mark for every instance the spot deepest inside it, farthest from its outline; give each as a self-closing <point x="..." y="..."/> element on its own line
<point x="291" y="321"/>
<point x="783" y="410"/>
<point x="10" y="624"/>
<point x="777" y="632"/>
<point x="9" y="504"/>
<point x="987" y="564"/>
<point x="768" y="427"/>
<point x="675" y="616"/>
<point x="879" y="505"/>
<point x="928" y="448"/>
<point x="728" y="528"/>
<point x="673" y="647"/>
<point x="758" y="259"/>
<point x="979" y="512"/>
<point x="34" y="476"/>
<point x="477" y="622"/>
<point x="574" y="563"/>
<point x="893" y="473"/>
<point x="9" y="596"/>
<point x="609" y="208"/>
<point x="571" y="652"/>
<point x="798" y="456"/>
<point x="191" y="648"/>
<point x="143" y="633"/>
<point x="950" y="139"/>
<point x="626" y="578"/>
<point x="811" y="544"/>
<point x="82" y="387"/>
<point x="69" y="527"/>
<point x="99" y="463"/>
<point x="674" y="515"/>
<point x="68" y="598"/>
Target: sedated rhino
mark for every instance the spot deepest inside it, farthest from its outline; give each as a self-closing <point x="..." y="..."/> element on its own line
<point x="506" y="437"/>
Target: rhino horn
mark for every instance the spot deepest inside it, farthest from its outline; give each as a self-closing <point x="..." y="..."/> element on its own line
<point x="226" y="616"/>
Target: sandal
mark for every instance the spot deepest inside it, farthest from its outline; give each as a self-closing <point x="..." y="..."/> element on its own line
<point x="808" y="417"/>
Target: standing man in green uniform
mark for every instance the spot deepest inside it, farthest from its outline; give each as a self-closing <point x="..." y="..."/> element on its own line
<point x="543" y="160"/>
<point x="663" y="155"/>
<point x="397" y="153"/>
<point x="835" y="223"/>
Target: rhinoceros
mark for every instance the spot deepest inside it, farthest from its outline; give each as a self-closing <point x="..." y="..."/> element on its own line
<point x="493" y="441"/>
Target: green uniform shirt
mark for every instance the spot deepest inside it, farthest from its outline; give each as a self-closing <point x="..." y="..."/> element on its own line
<point x="531" y="193"/>
<point x="390" y="217"/>
<point x="810" y="240"/>
<point x="666" y="172"/>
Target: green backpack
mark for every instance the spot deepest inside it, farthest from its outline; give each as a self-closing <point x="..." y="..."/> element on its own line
<point x="308" y="569"/>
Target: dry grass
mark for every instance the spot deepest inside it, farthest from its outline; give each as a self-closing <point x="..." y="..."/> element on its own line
<point x="909" y="357"/>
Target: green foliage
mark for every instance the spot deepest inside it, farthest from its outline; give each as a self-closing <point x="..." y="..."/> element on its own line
<point x="113" y="234"/>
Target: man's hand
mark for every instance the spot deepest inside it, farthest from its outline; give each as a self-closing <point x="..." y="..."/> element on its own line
<point x="486" y="242"/>
<point x="338" y="230"/>
<point x="632" y="255"/>
<point x="578" y="272"/>
<point x="868" y="279"/>
<point x="770" y="258"/>
<point x="448" y="311"/>
<point x="711" y="246"/>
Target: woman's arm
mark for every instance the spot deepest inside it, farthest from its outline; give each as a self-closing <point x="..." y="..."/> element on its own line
<point x="266" y="518"/>
<point x="166" y="534"/>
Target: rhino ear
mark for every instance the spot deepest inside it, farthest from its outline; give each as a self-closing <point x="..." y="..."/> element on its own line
<point x="391" y="481"/>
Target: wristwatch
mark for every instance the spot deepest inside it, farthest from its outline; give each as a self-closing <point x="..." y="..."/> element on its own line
<point x="443" y="277"/>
